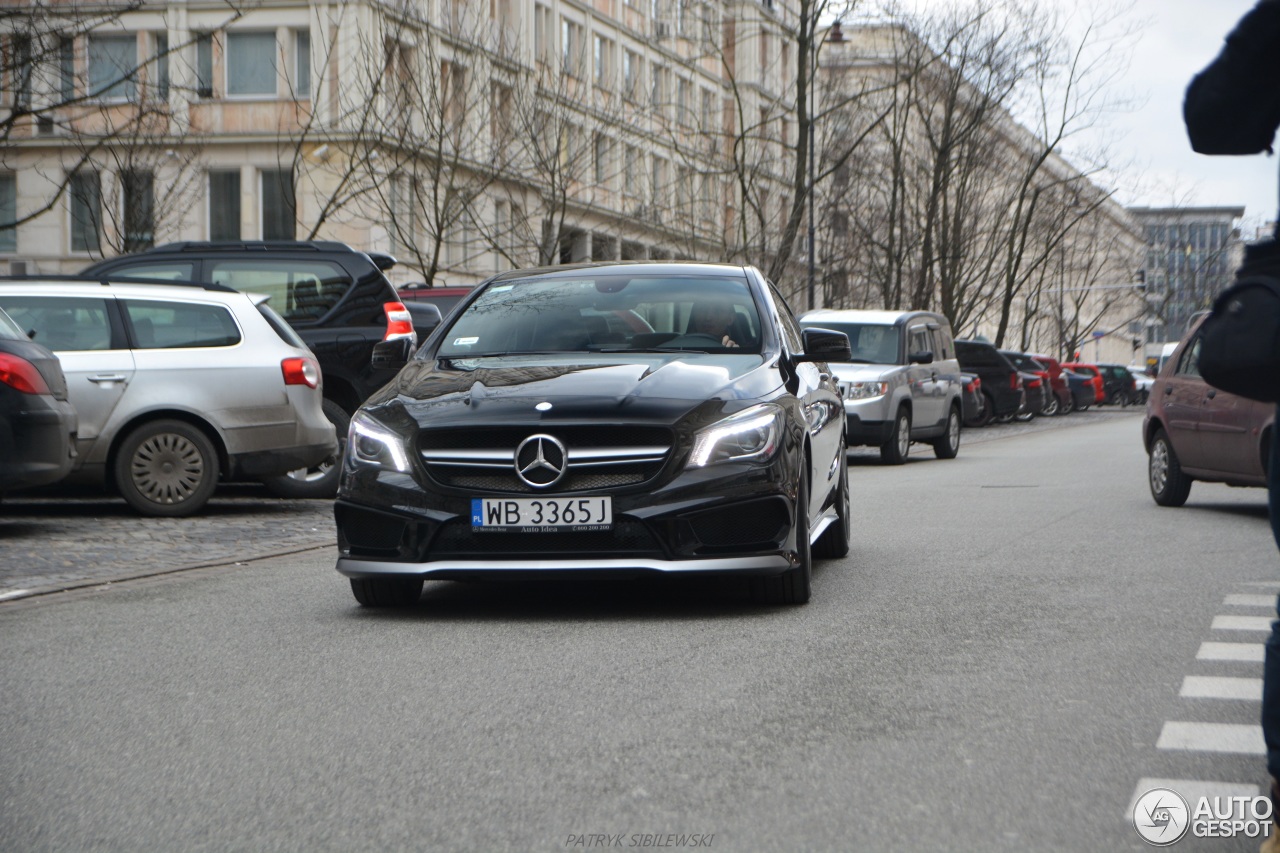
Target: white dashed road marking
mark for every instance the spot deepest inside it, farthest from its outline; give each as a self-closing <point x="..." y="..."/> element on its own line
<point x="1250" y="601"/>
<point x="1205" y="687"/>
<point x="1242" y="623"/>
<point x="1213" y="737"/>
<point x="1247" y="652"/>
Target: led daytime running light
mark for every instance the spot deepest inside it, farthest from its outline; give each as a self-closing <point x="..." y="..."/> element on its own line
<point x="365" y="427"/>
<point x="752" y="419"/>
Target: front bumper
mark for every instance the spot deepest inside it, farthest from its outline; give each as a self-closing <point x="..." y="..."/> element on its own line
<point x="768" y="564"/>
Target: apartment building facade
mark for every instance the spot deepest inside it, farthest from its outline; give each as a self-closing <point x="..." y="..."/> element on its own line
<point x="464" y="137"/>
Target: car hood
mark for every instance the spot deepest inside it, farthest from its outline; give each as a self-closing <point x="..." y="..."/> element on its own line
<point x="656" y="387"/>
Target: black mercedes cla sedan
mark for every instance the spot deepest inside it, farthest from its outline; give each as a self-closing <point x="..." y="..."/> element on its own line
<point x="605" y="420"/>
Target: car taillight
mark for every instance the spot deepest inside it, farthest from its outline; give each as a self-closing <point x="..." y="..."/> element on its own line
<point x="1015" y="382"/>
<point x="300" y="371"/>
<point x="1033" y="383"/>
<point x="21" y="375"/>
<point x="399" y="321"/>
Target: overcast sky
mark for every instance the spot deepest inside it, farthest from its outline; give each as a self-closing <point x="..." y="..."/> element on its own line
<point x="1177" y="38"/>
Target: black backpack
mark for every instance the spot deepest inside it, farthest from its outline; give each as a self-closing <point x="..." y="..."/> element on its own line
<point x="1240" y="339"/>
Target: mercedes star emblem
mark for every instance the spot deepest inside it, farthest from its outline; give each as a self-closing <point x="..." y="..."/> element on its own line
<point x="541" y="461"/>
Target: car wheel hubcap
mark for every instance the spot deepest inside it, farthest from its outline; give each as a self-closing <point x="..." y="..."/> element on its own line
<point x="953" y="431"/>
<point x="1159" y="466"/>
<point x="904" y="435"/>
<point x="167" y="468"/>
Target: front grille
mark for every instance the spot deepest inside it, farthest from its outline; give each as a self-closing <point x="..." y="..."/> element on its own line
<point x="467" y="478"/>
<point x="600" y="457"/>
<point x="457" y="540"/>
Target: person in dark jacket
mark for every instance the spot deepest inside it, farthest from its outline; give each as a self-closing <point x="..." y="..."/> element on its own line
<point x="1233" y="107"/>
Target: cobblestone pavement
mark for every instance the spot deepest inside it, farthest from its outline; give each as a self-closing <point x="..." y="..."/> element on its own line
<point x="54" y="543"/>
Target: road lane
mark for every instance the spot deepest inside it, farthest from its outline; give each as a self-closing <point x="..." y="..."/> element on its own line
<point x="990" y="669"/>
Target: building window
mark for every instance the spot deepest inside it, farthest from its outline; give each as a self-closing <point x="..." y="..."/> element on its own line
<point x="251" y="63"/>
<point x="571" y="46"/>
<point x="601" y="157"/>
<point x="85" y="193"/>
<point x="138" y="195"/>
<point x="542" y="34"/>
<point x="204" y="65"/>
<point x="160" y="72"/>
<point x="113" y="66"/>
<point x="278" y="206"/>
<point x="23" y="67"/>
<point x="67" y="68"/>
<point x="224" y="205"/>
<point x="8" y="213"/>
<point x="302" y="63"/>
<point x="603" y="62"/>
<point x="630" y="74"/>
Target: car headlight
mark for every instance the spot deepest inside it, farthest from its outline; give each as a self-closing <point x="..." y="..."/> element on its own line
<point x="865" y="390"/>
<point x="371" y="443"/>
<point x="753" y="433"/>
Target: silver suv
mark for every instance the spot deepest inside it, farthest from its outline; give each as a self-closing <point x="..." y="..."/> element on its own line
<point x="902" y="383"/>
<point x="175" y="385"/>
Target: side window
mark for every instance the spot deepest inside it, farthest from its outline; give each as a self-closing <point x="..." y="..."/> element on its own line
<point x="918" y="341"/>
<point x="1189" y="363"/>
<point x="942" y="346"/>
<point x="180" y="325"/>
<point x="300" y="291"/>
<point x="167" y="271"/>
<point x="67" y="324"/>
<point x="790" y="328"/>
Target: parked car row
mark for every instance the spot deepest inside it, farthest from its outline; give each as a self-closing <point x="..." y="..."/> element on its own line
<point x="196" y="362"/>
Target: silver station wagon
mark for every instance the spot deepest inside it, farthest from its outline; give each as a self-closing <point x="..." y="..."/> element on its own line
<point x="176" y="386"/>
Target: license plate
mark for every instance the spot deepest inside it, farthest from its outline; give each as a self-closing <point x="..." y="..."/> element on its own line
<point x="534" y="515"/>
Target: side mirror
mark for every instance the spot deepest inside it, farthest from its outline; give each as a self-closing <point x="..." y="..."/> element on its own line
<point x="925" y="357"/>
<point x="425" y="317"/>
<point x="825" y="345"/>
<point x="393" y="354"/>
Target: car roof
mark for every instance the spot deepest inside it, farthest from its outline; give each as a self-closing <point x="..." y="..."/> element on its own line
<point x="124" y="287"/>
<point x="879" y="318"/>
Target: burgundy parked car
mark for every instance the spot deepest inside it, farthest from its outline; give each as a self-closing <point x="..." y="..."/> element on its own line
<point x="1193" y="431"/>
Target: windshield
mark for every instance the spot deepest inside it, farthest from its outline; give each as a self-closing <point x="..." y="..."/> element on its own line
<point x="869" y="343"/>
<point x="607" y="313"/>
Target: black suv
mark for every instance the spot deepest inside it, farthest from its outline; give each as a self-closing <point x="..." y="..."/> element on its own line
<point x="336" y="298"/>
<point x="1001" y="381"/>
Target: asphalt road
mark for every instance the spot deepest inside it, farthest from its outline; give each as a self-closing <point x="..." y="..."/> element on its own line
<point x="996" y="666"/>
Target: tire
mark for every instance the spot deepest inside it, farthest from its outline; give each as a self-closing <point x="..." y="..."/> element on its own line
<point x="834" y="542"/>
<point x="1069" y="406"/>
<point x="1024" y="417"/>
<point x="1122" y="399"/>
<point x="1083" y="407"/>
<point x="166" y="468"/>
<point x="1052" y="407"/>
<point x="988" y="410"/>
<point x="794" y="586"/>
<point x="947" y="445"/>
<point x="386" y="592"/>
<point x="322" y="480"/>
<point x="895" y="450"/>
<point x="1169" y="486"/>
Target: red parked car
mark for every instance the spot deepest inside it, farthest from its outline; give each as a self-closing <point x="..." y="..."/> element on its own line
<point x="1099" y="384"/>
<point x="1062" y="404"/>
<point x="1194" y="431"/>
